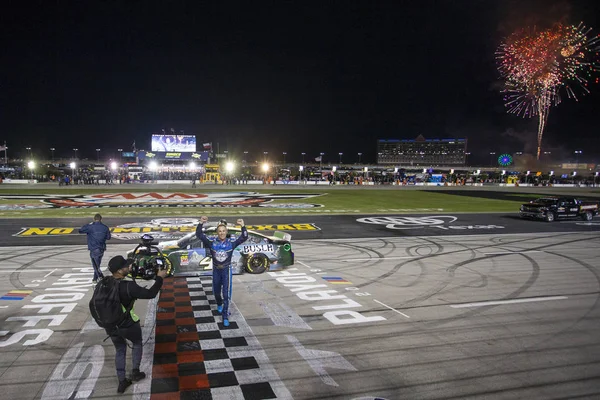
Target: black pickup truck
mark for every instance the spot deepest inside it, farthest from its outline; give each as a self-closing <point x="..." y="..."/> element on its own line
<point x="553" y="208"/>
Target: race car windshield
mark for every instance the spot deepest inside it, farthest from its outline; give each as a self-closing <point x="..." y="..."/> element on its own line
<point x="186" y="240"/>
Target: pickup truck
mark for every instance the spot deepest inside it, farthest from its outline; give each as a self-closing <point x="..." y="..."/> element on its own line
<point x="553" y="208"/>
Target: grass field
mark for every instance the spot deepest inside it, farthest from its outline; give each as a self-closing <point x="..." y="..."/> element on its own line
<point x="331" y="200"/>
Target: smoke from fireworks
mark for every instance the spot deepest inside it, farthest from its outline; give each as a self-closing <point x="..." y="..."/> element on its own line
<point x="538" y="66"/>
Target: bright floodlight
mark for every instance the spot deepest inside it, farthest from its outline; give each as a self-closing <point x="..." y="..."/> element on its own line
<point x="229" y="166"/>
<point x="265" y="167"/>
<point x="366" y="169"/>
<point x="552" y="173"/>
<point x="503" y="172"/>
<point x="302" y="168"/>
<point x="31" y="165"/>
<point x="72" y="165"/>
<point x="153" y="166"/>
<point x="192" y="165"/>
<point x="113" y="165"/>
<point x="334" y="168"/>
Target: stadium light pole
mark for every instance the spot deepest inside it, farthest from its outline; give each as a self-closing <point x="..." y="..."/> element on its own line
<point x="120" y="154"/>
<point x="52" y="150"/>
<point x="340" y="154"/>
<point x="359" y="155"/>
<point x="492" y="154"/>
<point x="467" y="154"/>
<point x="303" y="154"/>
<point x="284" y="154"/>
<point x="31" y="166"/>
<point x="245" y="157"/>
<point x="75" y="150"/>
<point x="301" y="168"/>
<point x="29" y="151"/>
<point x="98" y="154"/>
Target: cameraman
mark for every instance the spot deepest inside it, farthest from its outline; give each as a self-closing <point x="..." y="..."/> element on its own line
<point x="221" y="250"/>
<point x="130" y="329"/>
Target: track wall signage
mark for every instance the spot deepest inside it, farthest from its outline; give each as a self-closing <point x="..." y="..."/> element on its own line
<point x="160" y="228"/>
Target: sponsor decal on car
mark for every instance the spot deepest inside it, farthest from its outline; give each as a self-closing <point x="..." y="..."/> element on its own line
<point x="184" y="260"/>
<point x="165" y="200"/>
<point x="257" y="248"/>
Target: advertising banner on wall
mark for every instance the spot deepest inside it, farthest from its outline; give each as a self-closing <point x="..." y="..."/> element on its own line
<point x="173" y="155"/>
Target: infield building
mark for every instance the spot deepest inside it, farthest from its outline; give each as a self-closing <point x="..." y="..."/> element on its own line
<point x="421" y="151"/>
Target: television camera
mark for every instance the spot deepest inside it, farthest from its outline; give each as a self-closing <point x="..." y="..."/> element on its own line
<point x="148" y="259"/>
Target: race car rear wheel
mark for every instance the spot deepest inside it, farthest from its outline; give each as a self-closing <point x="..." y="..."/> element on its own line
<point x="550" y="216"/>
<point x="587" y="216"/>
<point x="257" y="263"/>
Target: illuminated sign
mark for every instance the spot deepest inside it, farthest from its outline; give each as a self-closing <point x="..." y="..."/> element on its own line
<point x="174" y="143"/>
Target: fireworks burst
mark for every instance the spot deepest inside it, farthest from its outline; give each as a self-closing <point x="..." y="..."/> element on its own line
<point x="538" y="66"/>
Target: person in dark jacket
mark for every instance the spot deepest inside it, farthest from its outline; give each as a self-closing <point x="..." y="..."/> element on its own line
<point x="130" y="329"/>
<point x="97" y="235"/>
<point x="221" y="250"/>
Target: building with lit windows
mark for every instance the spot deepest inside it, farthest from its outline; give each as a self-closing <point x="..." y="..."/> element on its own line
<point x="421" y="151"/>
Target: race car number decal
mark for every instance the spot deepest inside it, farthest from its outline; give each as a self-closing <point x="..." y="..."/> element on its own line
<point x="258" y="248"/>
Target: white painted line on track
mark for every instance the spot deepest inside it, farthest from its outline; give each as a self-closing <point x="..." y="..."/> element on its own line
<point x="501" y="302"/>
<point x="3" y="306"/>
<point x="301" y="263"/>
<point x="513" y="252"/>
<point x="393" y="309"/>
<point x="370" y="259"/>
<point x="49" y="273"/>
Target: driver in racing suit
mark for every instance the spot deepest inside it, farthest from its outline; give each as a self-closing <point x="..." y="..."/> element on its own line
<point x="221" y="250"/>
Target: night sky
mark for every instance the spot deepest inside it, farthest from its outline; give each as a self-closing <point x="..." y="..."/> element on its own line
<point x="276" y="76"/>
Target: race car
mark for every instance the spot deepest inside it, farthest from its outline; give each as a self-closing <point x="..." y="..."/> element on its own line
<point x="187" y="256"/>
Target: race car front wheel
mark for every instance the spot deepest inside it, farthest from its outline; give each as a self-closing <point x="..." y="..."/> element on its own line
<point x="257" y="263"/>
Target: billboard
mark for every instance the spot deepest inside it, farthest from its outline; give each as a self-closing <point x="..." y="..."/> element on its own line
<point x="173" y="143"/>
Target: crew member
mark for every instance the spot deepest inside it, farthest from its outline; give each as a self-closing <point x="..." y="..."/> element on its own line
<point x="97" y="235"/>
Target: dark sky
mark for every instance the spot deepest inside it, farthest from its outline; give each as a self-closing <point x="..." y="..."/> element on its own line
<point x="293" y="76"/>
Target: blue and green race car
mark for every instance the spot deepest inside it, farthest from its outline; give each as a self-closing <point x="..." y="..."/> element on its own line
<point x="187" y="256"/>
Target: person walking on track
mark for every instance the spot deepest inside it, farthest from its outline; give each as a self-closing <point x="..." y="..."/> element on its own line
<point x="97" y="235"/>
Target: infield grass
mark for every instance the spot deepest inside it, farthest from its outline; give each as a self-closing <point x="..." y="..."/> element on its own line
<point x="331" y="200"/>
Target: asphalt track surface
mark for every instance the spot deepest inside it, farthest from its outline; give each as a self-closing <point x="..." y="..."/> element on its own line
<point x="396" y="307"/>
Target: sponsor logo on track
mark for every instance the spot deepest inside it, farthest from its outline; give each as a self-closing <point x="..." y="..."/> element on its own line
<point x="162" y="200"/>
<point x="434" y="221"/>
<point x="160" y="228"/>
